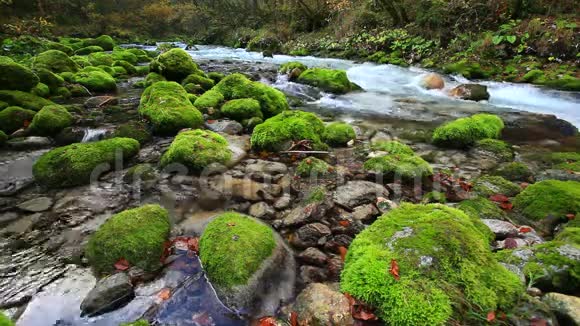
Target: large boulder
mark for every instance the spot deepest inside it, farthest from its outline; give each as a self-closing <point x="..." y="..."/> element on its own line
<point x="175" y="65"/>
<point x="550" y="198"/>
<point x="14" y="118"/>
<point x="24" y="100"/>
<point x="50" y="79"/>
<point x="14" y="76"/>
<point x="241" y="109"/>
<point x="320" y="305"/>
<point x="50" y="121"/>
<point x="329" y="80"/>
<point x="465" y="132"/>
<point x="136" y="235"/>
<point x="197" y="149"/>
<point x="96" y="81"/>
<point x="243" y="258"/>
<point x="209" y="101"/>
<point x="399" y="167"/>
<point x="421" y="264"/>
<point x="55" y="61"/>
<point x="471" y="92"/>
<point x="75" y="164"/>
<point x="487" y="185"/>
<point x="167" y="107"/>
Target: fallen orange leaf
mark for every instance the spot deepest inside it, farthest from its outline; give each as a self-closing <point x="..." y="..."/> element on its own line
<point x="267" y="321"/>
<point x="342" y="250"/>
<point x="344" y="223"/>
<point x="193" y="244"/>
<point x="164" y="294"/>
<point x="122" y="265"/>
<point x="491" y="316"/>
<point x="394" y="270"/>
<point x="293" y="318"/>
<point x="525" y="229"/>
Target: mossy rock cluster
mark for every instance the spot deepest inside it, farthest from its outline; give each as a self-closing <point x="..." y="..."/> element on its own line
<point x="133" y="129"/>
<point x="427" y="265"/>
<point x="400" y="162"/>
<point x="101" y="59"/>
<point x="14" y="118"/>
<point x="203" y="82"/>
<point x="14" y="76"/>
<point x="197" y="149"/>
<point x="175" y="65"/>
<point x="241" y="109"/>
<point x="88" y="50"/>
<point x="569" y="161"/>
<point x="104" y="41"/>
<point x="96" y="81"/>
<point x="515" y="171"/>
<point x="167" y="107"/>
<point x="329" y="80"/>
<point x="224" y="239"/>
<point x="278" y="133"/>
<point x="465" y="132"/>
<point x="50" y="79"/>
<point x="125" y="55"/>
<point x="136" y="235"/>
<point x="392" y="147"/>
<point x="41" y="90"/>
<point x="481" y="208"/>
<point x="498" y="148"/>
<point x="128" y="67"/>
<point x="338" y="134"/>
<point x="74" y="164"/>
<point x="313" y="167"/>
<point x="51" y="120"/>
<point x="152" y="78"/>
<point x="493" y="185"/>
<point x="549" y="198"/>
<point x="24" y="100"/>
<point x="211" y="99"/>
<point x="55" y="61"/>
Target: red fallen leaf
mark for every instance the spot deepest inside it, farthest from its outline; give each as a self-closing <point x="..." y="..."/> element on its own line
<point x="193" y="244"/>
<point x="525" y="229"/>
<point x="122" y="265"/>
<point x="210" y="121"/>
<point x="358" y="310"/>
<point x="507" y="206"/>
<point x="491" y="316"/>
<point x="267" y="321"/>
<point x="164" y="294"/>
<point x="342" y="250"/>
<point x="498" y="198"/>
<point x="394" y="270"/>
<point x="344" y="223"/>
<point x="524" y="185"/>
<point x="570" y="216"/>
<point x="293" y="318"/>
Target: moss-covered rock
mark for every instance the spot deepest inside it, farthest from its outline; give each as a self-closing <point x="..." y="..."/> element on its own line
<point x="124" y="55"/>
<point x="435" y="197"/>
<point x="5" y="321"/>
<point x="136" y="235"/>
<point x="481" y="208"/>
<point x="549" y="198"/>
<point x="134" y="129"/>
<point x="514" y="171"/>
<point x="72" y="165"/>
<point x="491" y="185"/>
<point x="50" y="121"/>
<point x="465" y="132"/>
<point x="471" y="92"/>
<point x="96" y="81"/>
<point x="175" y="65"/>
<point x="224" y="239"/>
<point x="215" y="76"/>
<point x="104" y="41"/>
<point x="58" y="46"/>
<point x="196" y="79"/>
<point x="278" y="132"/>
<point x="193" y="89"/>
<point x="392" y="147"/>
<point x="289" y="66"/>
<point x="142" y="70"/>
<point x="211" y="99"/>
<point x="338" y="134"/>
<point x="498" y="148"/>
<point x="407" y="167"/>
<point x="24" y="100"/>
<point x="129" y="68"/>
<point x="329" y="80"/>
<point x="3" y="138"/>
<point x="569" y="161"/>
<point x="101" y="59"/>
<point x="152" y="78"/>
<point x="14" y="118"/>
<point x="445" y="268"/>
<point x="81" y="61"/>
<point x="14" y="76"/>
<point x="242" y="109"/>
<point x="167" y="107"/>
<point x="88" y="50"/>
<point x="52" y="80"/>
<point x="312" y="166"/>
<point x="237" y="86"/>
<point x="55" y="61"/>
<point x="197" y="149"/>
<point x="41" y="90"/>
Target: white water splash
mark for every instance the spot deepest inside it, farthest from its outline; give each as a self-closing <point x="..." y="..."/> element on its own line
<point x="93" y="135"/>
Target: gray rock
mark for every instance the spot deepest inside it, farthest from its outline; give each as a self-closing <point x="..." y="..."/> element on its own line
<point x="365" y="212"/>
<point x="566" y="308"/>
<point x="558" y="175"/>
<point x="266" y="167"/>
<point x="99" y="101"/>
<point x="356" y="193"/>
<point x="262" y="211"/>
<point x="472" y="92"/>
<point x="320" y="304"/>
<point x="501" y="229"/>
<point x="245" y="189"/>
<point x="32" y="142"/>
<point x="304" y="214"/>
<point x="312" y="274"/>
<point x="313" y="256"/>
<point x="239" y="146"/>
<point x="283" y="202"/>
<point x="309" y="234"/>
<point x="109" y="293"/>
<point x="229" y="127"/>
<point x="35" y="205"/>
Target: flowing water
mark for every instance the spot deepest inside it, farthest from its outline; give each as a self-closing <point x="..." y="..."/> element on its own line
<point x="93" y="135"/>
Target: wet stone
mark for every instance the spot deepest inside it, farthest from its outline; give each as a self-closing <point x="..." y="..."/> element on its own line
<point x="313" y="274"/>
<point x="283" y="202"/>
<point x="313" y="256"/>
<point x="320" y="304"/>
<point x="262" y="211"/>
<point x="39" y="204"/>
<point x="501" y="229"/>
<point x="109" y="293"/>
<point x="365" y="212"/>
<point x="226" y="126"/>
<point x="356" y="193"/>
<point x="27" y="143"/>
<point x="308" y="235"/>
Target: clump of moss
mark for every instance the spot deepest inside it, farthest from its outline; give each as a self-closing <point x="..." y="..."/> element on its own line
<point x="338" y="134"/>
<point x="140" y="172"/>
<point x="277" y="133"/>
<point x="81" y="61"/>
<point x="14" y="76"/>
<point x="141" y="70"/>
<point x="444" y="264"/>
<point x="124" y="55"/>
<point x="196" y="79"/>
<point x="569" y="161"/>
<point x="316" y="195"/>
<point x="134" y="129"/>
<point x="289" y="66"/>
<point x="73" y="165"/>
<point x="58" y="46"/>
<point x="167" y="107"/>
<point x="5" y="321"/>
<point x="51" y="120"/>
<point x="101" y="59"/>
<point x="3" y="138"/>
<point x="407" y="167"/>
<point x="224" y="239"/>
<point x="312" y="166"/>
<point x="136" y="235"/>
<point x="55" y="61"/>
<point x="392" y="147"/>
<point x="53" y="81"/>
<point x="196" y="149"/>
<point x="96" y="81"/>
<point x="215" y="76"/>
<point x="209" y="99"/>
<point x="129" y="68"/>
<point x="329" y="80"/>
<point x="88" y="50"/>
<point x="434" y="197"/>
<point x="491" y="185"/>
<point x="152" y="78"/>
<point x="175" y="65"/>
<point x="549" y="198"/>
<point x="481" y="208"/>
<point x="514" y="171"/>
<point x="499" y="148"/>
<point x="24" y="100"/>
<point x="241" y="109"/>
<point x="41" y="90"/>
<point x="104" y="41"/>
<point x="141" y="322"/>
<point x="465" y="132"/>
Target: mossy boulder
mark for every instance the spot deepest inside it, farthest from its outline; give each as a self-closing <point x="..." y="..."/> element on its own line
<point x="167" y="107"/>
<point x="133" y="129"/>
<point x="52" y="80"/>
<point x="406" y="167"/>
<point x="211" y="99"/>
<point x="73" y="165"/>
<point x="88" y="50"/>
<point x="197" y="149"/>
<point x="104" y="41"/>
<point x="175" y="65"/>
<point x="196" y="79"/>
<point x="24" y="100"/>
<point x="293" y="69"/>
<point x="242" y="109"/>
<point x="278" y="132"/>
<point x="137" y="235"/>
<point x="514" y="171"/>
<point x="481" y="208"/>
<point x="128" y="67"/>
<point x="549" y="198"/>
<point x="488" y="185"/>
<point x="470" y="92"/>
<point x="465" y="132"/>
<point x="3" y="138"/>
<point x="14" y="118"/>
<point x="14" y="76"/>
<point x="498" y="148"/>
<point x="193" y="89"/>
<point x="445" y="269"/>
<point x="312" y="166"/>
<point x="124" y="55"/>
<point x="81" y="61"/>
<point x="392" y="147"/>
<point x="152" y="78"/>
<point x="41" y="90"/>
<point x="58" y="46"/>
<point x="237" y="86"/>
<point x="101" y="59"/>
<point x="329" y="80"/>
<point x="96" y="81"/>
<point x="338" y="134"/>
<point x="55" y="61"/>
<point x="569" y="161"/>
<point x="215" y="76"/>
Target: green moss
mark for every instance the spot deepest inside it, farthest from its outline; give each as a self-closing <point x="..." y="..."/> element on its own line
<point x="136" y="235"/>
<point x="316" y="195"/>
<point x="289" y="66"/>
<point x="242" y="109"/>
<point x="55" y="61"/>
<point x="549" y="198"/>
<point x="167" y="107"/>
<point x="466" y="69"/>
<point x="81" y="61"/>
<point x="312" y="166"/>
<point x="534" y="75"/>
<point x="491" y="185"/>
<point x="515" y="171"/>
<point x="434" y="197"/>
<point x="104" y="41"/>
<point x="329" y="80"/>
<point x="124" y="55"/>
<point x="465" y="132"/>
<point x="58" y="46"/>
<point x="569" y="161"/>
<point x="72" y="165"/>
<point x="445" y="265"/>
<point x="53" y="81"/>
<point x="338" y="134"/>
<point x="24" y="100"/>
<point x="141" y="322"/>
<point x="193" y="89"/>
<point x="50" y="121"/>
<point x="209" y="99"/>
<point x="129" y="68"/>
<point x="566" y="82"/>
<point x="14" y="76"/>
<point x="88" y="50"/>
<point x="175" y="65"/>
<point x="237" y="86"/>
<point x="14" y="118"/>
<point x="5" y="321"/>
<point x="204" y="82"/>
<point x="134" y="129"/>
<point x="152" y="78"/>
<point x="119" y="72"/>
<point x="499" y="148"/>
<point x="392" y="147"/>
<point x="142" y="70"/>
<point x="277" y="133"/>
<point x="79" y="91"/>
<point x="196" y="149"/>
<point x="101" y="59"/>
<point x="570" y="234"/>
<point x="41" y="90"/>
<point x="224" y="239"/>
<point x="215" y="76"/>
<point x="3" y="138"/>
<point x="140" y="172"/>
<point x="481" y="208"/>
<point x="96" y="81"/>
<point x="399" y="165"/>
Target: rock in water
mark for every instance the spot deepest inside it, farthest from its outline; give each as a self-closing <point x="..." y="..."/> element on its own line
<point x="109" y="293"/>
<point x="433" y="81"/>
<point x="319" y="304"/>
<point x="471" y="92"/>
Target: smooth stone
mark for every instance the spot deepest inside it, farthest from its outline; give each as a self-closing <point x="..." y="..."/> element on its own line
<point x="283" y="202"/>
<point x="365" y="212"/>
<point x="108" y="294"/>
<point x="309" y="234"/>
<point x="501" y="229"/>
<point x="262" y="211"/>
<point x="313" y="256"/>
<point x="229" y="127"/>
<point x="320" y="304"/>
<point x="36" y="205"/>
<point x="356" y="193"/>
<point x="32" y="142"/>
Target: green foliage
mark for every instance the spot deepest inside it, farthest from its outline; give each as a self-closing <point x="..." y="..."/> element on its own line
<point x="175" y="65"/>
<point x="73" y="165"/>
<point x="407" y="167"/>
<point x="549" y="198"/>
<point x="14" y="76"/>
<point x="14" y="118"/>
<point x="224" y="239"/>
<point x="338" y="134"/>
<point x="167" y="107"/>
<point x="242" y="109"/>
<point x="465" y="132"/>
<point x="137" y="235"/>
<point x="514" y="171"/>
<point x="55" y="61"/>
<point x="499" y="148"/>
<point x="50" y="120"/>
<point x="196" y="79"/>
<point x="491" y="185"/>
<point x="312" y="166"/>
<point x="96" y="81"/>
<point x="392" y="147"/>
<point x="133" y="129"/>
<point x="24" y="100"/>
<point x="278" y="132"/>
<point x="444" y="262"/>
<point x="197" y="149"/>
<point x="329" y="80"/>
<point x="209" y="99"/>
